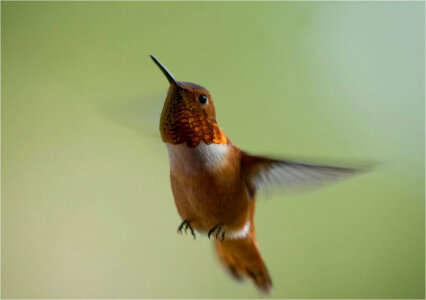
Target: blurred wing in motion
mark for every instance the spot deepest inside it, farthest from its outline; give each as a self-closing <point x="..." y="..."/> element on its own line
<point x="265" y="174"/>
<point x="140" y="115"/>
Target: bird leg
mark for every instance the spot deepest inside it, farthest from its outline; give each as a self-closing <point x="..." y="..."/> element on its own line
<point x="185" y="224"/>
<point x="220" y="232"/>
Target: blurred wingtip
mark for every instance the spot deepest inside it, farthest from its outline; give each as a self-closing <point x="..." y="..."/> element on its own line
<point x="367" y="167"/>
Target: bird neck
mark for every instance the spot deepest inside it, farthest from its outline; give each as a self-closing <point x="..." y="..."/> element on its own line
<point x="192" y="132"/>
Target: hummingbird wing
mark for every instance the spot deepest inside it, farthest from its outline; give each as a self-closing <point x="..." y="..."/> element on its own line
<point x="264" y="174"/>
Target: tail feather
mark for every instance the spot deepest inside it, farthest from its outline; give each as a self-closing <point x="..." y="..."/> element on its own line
<point x="241" y="258"/>
<point x="229" y="262"/>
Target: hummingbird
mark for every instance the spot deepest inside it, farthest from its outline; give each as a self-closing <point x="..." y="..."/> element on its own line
<point x="215" y="183"/>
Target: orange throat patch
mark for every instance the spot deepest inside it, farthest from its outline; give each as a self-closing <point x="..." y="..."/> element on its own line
<point x="190" y="127"/>
<point x="192" y="131"/>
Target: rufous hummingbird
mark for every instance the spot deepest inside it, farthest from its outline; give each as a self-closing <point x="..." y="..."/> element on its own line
<point x="214" y="183"/>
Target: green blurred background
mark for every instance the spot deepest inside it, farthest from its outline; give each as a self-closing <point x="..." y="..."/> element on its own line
<point x="87" y="209"/>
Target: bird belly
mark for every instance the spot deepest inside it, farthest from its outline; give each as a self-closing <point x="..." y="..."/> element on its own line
<point x="207" y="189"/>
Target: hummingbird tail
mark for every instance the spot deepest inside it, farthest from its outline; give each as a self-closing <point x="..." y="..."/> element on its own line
<point x="241" y="257"/>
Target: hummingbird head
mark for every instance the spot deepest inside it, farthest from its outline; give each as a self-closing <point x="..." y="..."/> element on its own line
<point x="188" y="114"/>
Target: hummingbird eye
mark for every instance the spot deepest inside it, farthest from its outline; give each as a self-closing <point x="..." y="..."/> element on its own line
<point x="202" y="99"/>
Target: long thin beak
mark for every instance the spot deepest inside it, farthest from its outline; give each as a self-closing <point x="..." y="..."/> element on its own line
<point x="166" y="72"/>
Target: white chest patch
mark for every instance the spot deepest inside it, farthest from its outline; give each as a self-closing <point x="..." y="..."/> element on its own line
<point x="211" y="157"/>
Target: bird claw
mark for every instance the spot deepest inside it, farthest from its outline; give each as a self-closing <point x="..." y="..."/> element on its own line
<point x="185" y="224"/>
<point x="220" y="232"/>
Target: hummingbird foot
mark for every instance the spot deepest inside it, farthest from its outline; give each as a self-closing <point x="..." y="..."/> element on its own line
<point x="220" y="232"/>
<point x="185" y="224"/>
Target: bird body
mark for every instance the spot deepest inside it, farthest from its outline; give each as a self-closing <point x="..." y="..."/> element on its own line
<point x="209" y="190"/>
<point x="207" y="187"/>
<point x="214" y="183"/>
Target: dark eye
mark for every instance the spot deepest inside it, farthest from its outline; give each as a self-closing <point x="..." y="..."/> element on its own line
<point x="202" y="99"/>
